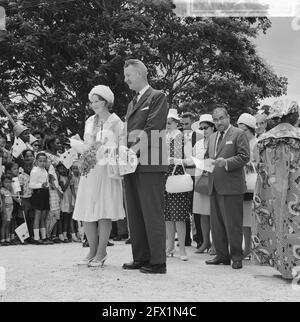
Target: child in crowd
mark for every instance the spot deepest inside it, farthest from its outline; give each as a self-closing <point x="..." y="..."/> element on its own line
<point x="26" y="193"/>
<point x="28" y="155"/>
<point x="78" y="228"/>
<point x="64" y="179"/>
<point x="54" y="223"/>
<point x="39" y="183"/>
<point x="12" y="168"/>
<point x="6" y="209"/>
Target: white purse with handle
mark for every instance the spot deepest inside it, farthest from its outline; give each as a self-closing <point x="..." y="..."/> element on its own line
<point x="179" y="183"/>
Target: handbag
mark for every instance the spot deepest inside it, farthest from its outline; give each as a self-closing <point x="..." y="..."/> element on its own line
<point x="251" y="177"/>
<point x="201" y="185"/>
<point x="112" y="165"/>
<point x="179" y="183"/>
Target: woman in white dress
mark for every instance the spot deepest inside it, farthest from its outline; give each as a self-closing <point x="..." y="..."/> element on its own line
<point x="201" y="202"/>
<point x="100" y="198"/>
<point x="247" y="123"/>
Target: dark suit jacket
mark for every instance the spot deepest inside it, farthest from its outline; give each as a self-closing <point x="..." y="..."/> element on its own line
<point x="235" y="149"/>
<point x="146" y="125"/>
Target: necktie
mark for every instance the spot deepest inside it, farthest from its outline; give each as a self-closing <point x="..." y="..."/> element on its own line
<point x="219" y="141"/>
<point x="134" y="101"/>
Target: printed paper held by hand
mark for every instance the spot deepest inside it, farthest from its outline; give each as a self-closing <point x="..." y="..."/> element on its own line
<point x="204" y="164"/>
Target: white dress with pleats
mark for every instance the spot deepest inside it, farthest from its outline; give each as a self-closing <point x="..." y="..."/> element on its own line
<point x="99" y="196"/>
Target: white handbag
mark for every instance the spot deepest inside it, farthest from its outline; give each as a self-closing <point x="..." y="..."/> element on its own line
<point x="251" y="178"/>
<point x="179" y="183"/>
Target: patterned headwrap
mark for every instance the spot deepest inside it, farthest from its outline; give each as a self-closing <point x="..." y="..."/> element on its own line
<point x="283" y="107"/>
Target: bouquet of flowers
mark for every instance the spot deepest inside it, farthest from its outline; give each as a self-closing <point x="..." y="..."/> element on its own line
<point x="88" y="159"/>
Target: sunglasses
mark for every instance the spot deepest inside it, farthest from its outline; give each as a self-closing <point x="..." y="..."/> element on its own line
<point x="203" y="128"/>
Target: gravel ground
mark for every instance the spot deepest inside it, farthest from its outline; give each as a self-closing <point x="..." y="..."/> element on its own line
<point x="49" y="273"/>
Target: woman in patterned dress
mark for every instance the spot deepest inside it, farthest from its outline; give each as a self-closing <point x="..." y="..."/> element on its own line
<point x="276" y="207"/>
<point x="177" y="205"/>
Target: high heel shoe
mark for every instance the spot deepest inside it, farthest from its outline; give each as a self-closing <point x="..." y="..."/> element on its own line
<point x="247" y="256"/>
<point x="203" y="249"/>
<point x="170" y="253"/>
<point x="184" y="258"/>
<point x="85" y="261"/>
<point x="96" y="263"/>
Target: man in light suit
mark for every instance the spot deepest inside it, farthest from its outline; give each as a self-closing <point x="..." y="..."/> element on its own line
<point x="229" y="147"/>
<point x="146" y="123"/>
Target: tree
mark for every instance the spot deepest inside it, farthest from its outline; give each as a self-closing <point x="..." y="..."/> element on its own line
<point x="55" y="51"/>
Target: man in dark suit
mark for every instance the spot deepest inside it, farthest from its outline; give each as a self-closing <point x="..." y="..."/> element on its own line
<point x="229" y="147"/>
<point x="146" y="123"/>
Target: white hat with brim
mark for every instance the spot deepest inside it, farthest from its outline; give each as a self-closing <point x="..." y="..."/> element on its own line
<point x="103" y="91"/>
<point x="19" y="129"/>
<point x="173" y="114"/>
<point x="203" y="118"/>
<point x="248" y="120"/>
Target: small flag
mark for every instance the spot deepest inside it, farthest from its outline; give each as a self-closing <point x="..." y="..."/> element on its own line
<point x="32" y="139"/>
<point x="16" y="185"/>
<point x="68" y="158"/>
<point x="18" y="147"/>
<point x="22" y="232"/>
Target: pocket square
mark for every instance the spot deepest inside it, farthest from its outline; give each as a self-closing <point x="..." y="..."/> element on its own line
<point x="228" y="142"/>
<point x="145" y="108"/>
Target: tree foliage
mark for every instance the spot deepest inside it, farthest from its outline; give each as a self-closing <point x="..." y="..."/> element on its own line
<point x="55" y="51"/>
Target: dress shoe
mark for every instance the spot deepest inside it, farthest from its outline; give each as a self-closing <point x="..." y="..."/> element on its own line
<point x="38" y="242"/>
<point x="170" y="253"/>
<point x="184" y="258"/>
<point x="237" y="265"/>
<point x="154" y="269"/>
<point x="47" y="241"/>
<point x="97" y="263"/>
<point x="128" y="241"/>
<point x="120" y="237"/>
<point x="85" y="261"/>
<point x="202" y="249"/>
<point x="218" y="261"/>
<point x="85" y="244"/>
<point x="110" y="244"/>
<point x="134" y="265"/>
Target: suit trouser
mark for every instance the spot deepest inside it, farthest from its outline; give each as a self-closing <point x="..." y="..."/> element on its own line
<point x="227" y="225"/>
<point x="145" y="204"/>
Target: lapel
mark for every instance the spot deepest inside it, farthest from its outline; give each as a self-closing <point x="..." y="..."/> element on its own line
<point x="227" y="135"/>
<point x="132" y="109"/>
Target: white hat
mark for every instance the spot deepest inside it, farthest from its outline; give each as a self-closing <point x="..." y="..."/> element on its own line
<point x="203" y="118"/>
<point x="248" y="120"/>
<point x="103" y="91"/>
<point x="173" y="114"/>
<point x="19" y="129"/>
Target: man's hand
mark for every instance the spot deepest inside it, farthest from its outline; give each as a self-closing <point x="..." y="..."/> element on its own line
<point x="220" y="162"/>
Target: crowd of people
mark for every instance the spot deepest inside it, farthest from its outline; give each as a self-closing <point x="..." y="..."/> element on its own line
<point x="244" y="205"/>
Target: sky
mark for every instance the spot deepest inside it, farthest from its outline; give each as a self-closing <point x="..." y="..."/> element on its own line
<point x="280" y="47"/>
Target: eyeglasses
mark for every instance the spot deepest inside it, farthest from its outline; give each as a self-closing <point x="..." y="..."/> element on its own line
<point x="203" y="128"/>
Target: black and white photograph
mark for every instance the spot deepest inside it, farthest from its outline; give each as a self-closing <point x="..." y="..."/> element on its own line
<point x="149" y="153"/>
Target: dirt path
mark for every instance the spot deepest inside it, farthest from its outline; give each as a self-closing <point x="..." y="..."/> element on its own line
<point x="49" y="273"/>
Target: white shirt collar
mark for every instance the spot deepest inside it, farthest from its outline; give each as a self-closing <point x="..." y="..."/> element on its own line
<point x="142" y="91"/>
